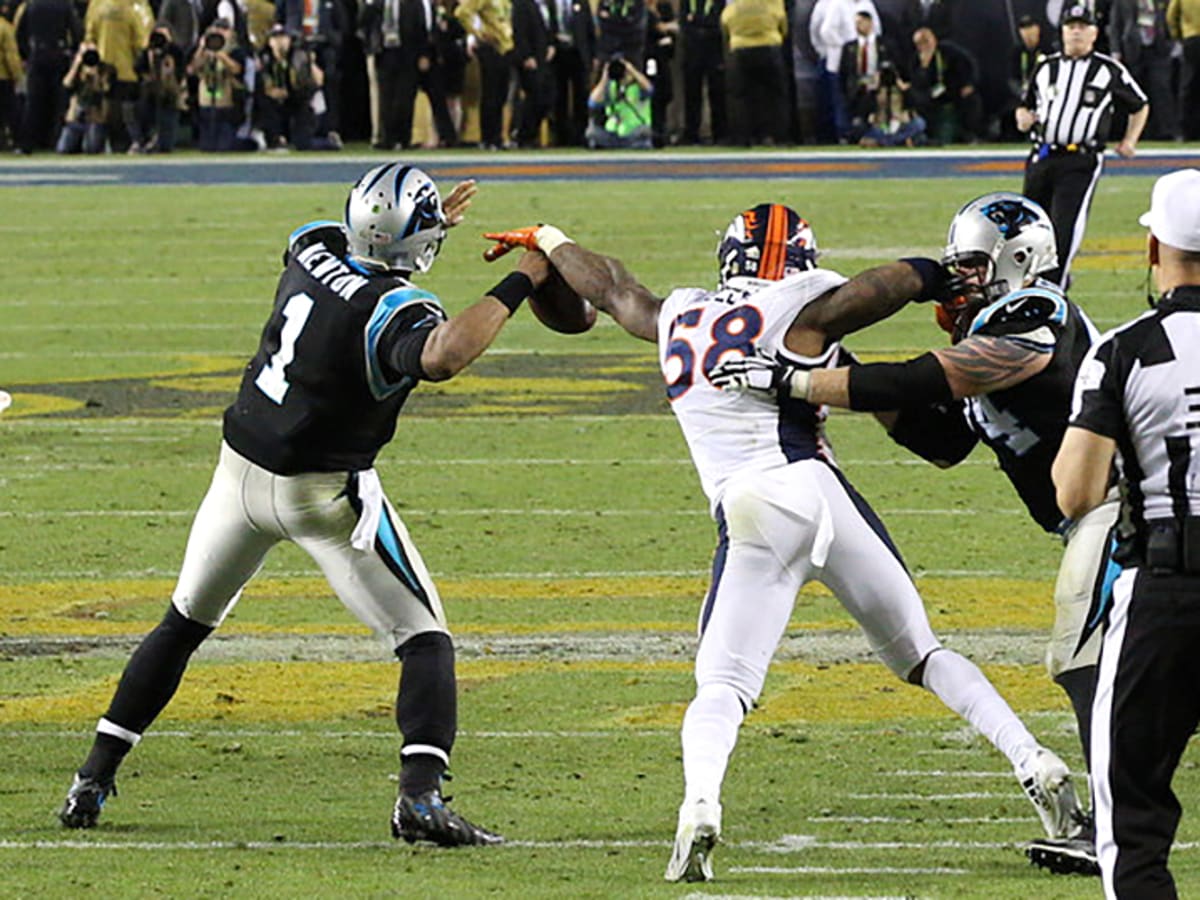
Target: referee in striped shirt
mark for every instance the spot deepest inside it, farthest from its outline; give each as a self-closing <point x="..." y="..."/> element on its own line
<point x="1067" y="109"/>
<point x="1137" y="404"/>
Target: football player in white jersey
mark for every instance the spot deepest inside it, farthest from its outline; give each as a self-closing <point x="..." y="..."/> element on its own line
<point x="1006" y="381"/>
<point x="785" y="513"/>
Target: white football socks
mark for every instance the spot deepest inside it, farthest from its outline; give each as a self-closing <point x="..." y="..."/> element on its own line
<point x="710" y="730"/>
<point x="959" y="684"/>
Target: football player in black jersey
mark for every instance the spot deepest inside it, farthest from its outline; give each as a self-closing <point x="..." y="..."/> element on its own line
<point x="1007" y="381"/>
<point x="349" y="337"/>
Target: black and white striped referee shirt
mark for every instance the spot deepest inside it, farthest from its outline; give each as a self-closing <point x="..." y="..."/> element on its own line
<point x="1140" y="386"/>
<point x="1074" y="99"/>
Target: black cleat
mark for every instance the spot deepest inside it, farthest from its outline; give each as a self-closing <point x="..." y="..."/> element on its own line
<point x="426" y="817"/>
<point x="84" y="801"/>
<point x="1072" y="856"/>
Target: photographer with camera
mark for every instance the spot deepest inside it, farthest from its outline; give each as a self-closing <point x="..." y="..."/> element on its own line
<point x="321" y="27"/>
<point x="893" y="121"/>
<point x="88" y="83"/>
<point x="288" y="79"/>
<point x="218" y="64"/>
<point x="620" y="105"/>
<point x="162" y="92"/>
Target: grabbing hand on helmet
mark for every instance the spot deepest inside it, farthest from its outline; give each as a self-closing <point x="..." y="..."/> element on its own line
<point x="760" y="373"/>
<point x="939" y="283"/>
<point x="458" y="201"/>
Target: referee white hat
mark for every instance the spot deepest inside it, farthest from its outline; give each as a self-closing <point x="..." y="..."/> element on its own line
<point x="1174" y="216"/>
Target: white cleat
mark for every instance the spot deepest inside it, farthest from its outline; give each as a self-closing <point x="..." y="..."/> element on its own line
<point x="698" y="832"/>
<point x="1046" y="780"/>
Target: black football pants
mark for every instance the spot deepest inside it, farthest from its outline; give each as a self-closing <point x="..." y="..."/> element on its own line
<point x="1147" y="707"/>
<point x="1063" y="184"/>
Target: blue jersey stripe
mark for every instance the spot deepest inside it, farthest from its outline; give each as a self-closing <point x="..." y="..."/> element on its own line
<point x="385" y="309"/>
<point x="1059" y="316"/>
<point x="718" y="569"/>
<point x="311" y="226"/>
<point x="393" y="551"/>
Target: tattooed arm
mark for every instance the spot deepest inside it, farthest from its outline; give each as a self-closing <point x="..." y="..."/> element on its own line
<point x="982" y="364"/>
<point x="863" y="300"/>
<point x="978" y="365"/>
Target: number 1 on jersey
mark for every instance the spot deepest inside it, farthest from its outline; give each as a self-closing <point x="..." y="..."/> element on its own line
<point x="272" y="380"/>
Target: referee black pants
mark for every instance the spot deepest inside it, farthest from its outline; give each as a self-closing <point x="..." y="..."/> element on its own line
<point x="1063" y="183"/>
<point x="1147" y="707"/>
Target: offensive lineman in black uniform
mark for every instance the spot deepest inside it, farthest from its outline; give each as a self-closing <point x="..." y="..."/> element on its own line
<point x="349" y="337"/>
<point x="1006" y="381"/>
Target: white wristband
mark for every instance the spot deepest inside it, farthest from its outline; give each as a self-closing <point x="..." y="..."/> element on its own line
<point x="548" y="238"/>
<point x="799" y="381"/>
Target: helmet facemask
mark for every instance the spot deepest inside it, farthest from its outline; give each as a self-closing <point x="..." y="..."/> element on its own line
<point x="999" y="243"/>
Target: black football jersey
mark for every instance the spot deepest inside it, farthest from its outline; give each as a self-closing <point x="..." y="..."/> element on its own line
<point x="1024" y="424"/>
<point x="320" y="395"/>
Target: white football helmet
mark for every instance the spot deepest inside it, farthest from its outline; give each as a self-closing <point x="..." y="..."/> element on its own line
<point x="394" y="219"/>
<point x="1012" y="232"/>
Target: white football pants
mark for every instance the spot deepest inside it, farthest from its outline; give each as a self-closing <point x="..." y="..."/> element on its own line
<point x="1085" y="577"/>
<point x="248" y="510"/>
<point x="787" y="526"/>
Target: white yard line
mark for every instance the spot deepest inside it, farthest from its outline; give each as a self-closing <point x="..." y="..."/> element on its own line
<point x="478" y="513"/>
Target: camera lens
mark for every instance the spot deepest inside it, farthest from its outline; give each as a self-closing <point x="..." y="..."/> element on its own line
<point x="91" y="58"/>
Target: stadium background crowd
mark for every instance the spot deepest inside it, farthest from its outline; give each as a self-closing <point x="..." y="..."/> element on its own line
<point x="149" y="75"/>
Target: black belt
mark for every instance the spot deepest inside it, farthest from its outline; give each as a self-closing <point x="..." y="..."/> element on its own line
<point x="1041" y="151"/>
<point x="1168" y="547"/>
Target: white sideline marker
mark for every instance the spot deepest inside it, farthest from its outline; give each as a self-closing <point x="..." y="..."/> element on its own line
<point x="5" y="400"/>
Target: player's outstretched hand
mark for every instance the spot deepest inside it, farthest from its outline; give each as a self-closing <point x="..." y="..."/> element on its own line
<point x="506" y="240"/>
<point x="458" y="201"/>
<point x="759" y="372"/>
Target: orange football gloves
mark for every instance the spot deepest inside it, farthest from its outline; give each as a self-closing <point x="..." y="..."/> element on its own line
<point x="506" y="240"/>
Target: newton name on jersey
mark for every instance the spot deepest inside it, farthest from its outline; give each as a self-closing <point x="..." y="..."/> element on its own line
<point x="332" y="271"/>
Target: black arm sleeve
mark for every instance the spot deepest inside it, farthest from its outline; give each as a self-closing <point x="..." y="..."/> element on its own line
<point x="400" y="349"/>
<point x="880" y="387"/>
<point x="938" y="433"/>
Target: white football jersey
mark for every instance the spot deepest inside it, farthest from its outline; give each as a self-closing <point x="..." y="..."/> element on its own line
<point x="728" y="431"/>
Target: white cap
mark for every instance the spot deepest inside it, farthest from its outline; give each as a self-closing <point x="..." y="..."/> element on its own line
<point x="1174" y="216"/>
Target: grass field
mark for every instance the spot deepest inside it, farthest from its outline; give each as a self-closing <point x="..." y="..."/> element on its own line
<point x="552" y="498"/>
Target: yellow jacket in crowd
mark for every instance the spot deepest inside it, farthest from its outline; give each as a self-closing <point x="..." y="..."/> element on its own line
<point x="260" y="16"/>
<point x="754" y="23"/>
<point x="1183" y="19"/>
<point x="10" y="58"/>
<point x="488" y="20"/>
<point x="119" y="29"/>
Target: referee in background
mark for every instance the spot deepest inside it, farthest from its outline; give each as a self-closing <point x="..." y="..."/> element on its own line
<point x="1138" y="391"/>
<point x="1067" y="110"/>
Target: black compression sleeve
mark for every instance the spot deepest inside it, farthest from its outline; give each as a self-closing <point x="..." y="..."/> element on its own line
<point x="938" y="433"/>
<point x="880" y="387"/>
<point x="402" y="355"/>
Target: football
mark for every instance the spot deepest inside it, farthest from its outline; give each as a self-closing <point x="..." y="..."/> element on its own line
<point x="559" y="308"/>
